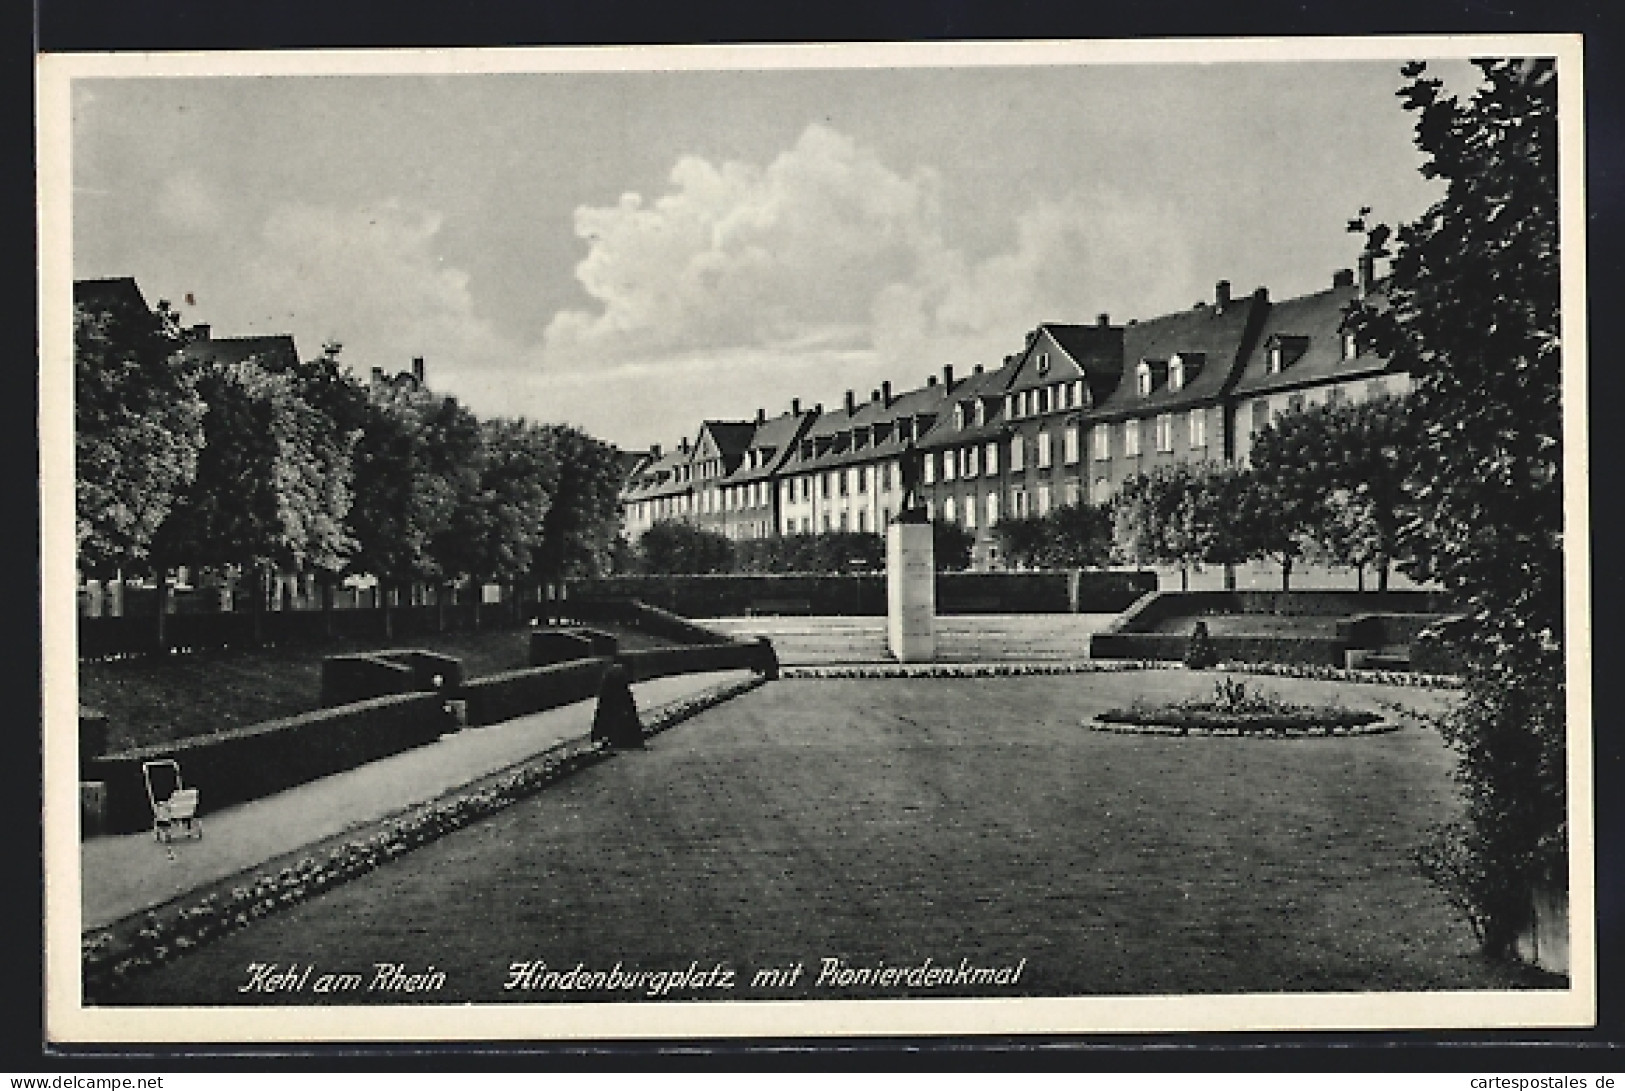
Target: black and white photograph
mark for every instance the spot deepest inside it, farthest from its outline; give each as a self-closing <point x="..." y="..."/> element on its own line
<point x="815" y="540"/>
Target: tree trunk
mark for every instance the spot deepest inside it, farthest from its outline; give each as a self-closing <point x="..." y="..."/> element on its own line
<point x="262" y="588"/>
<point x="1359" y="577"/>
<point x="1229" y="576"/>
<point x="1184" y="578"/>
<point x="1286" y="573"/>
<point x="1382" y="574"/>
<point x="160" y="629"/>
<point x="384" y="605"/>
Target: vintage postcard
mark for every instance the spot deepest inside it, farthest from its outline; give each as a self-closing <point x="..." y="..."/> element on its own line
<point x="821" y="540"/>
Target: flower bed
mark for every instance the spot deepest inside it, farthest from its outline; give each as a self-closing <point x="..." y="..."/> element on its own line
<point x="1236" y="710"/>
<point x="976" y="670"/>
<point x="112" y="955"/>
<point x="1345" y="674"/>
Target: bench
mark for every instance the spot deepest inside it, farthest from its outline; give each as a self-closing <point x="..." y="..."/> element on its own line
<point x="771" y="607"/>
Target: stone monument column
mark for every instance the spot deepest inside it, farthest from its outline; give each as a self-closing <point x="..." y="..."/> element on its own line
<point x="911" y="589"/>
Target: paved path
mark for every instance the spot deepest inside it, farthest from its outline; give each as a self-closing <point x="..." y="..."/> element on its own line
<point x="983" y="638"/>
<point x="126" y="874"/>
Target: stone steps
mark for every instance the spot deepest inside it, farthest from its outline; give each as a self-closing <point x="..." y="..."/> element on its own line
<point x="980" y="639"/>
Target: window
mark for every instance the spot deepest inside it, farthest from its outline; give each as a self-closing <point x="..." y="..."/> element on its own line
<point x="1069" y="445"/>
<point x="948" y="510"/>
<point x="1198" y="428"/>
<point x="1143" y="378"/>
<point x="1073" y="492"/>
<point x="1018" y="450"/>
<point x="1077" y="393"/>
<point x="826" y="484"/>
<point x="948" y="467"/>
<point x="930" y="509"/>
<point x="1043" y="450"/>
<point x="1273" y="367"/>
<point x="884" y="470"/>
<point x="1043" y="500"/>
<point x="863" y="520"/>
<point x="844" y="480"/>
<point x="1261" y="414"/>
<point x="970" y="512"/>
<point x="863" y="479"/>
<point x="1176" y="374"/>
<point x="788" y="491"/>
<point x="1165" y="432"/>
<point x="1131" y="438"/>
<point x="970" y="461"/>
<point x="1043" y="363"/>
<point x="1018" y="503"/>
<point x="992" y="459"/>
<point x="930" y="468"/>
<point x="1103" y="442"/>
<point x="981" y="412"/>
<point x="806" y="488"/>
<point x="1009" y="405"/>
<point x="1043" y="399"/>
<point x="992" y="508"/>
<point x="843" y="522"/>
<point x="1024" y="403"/>
<point x="1351" y="348"/>
<point x="959" y="417"/>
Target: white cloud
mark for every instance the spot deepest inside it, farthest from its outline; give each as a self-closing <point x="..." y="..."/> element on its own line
<point x="371" y="278"/>
<point x="186" y="202"/>
<point x="829" y="248"/>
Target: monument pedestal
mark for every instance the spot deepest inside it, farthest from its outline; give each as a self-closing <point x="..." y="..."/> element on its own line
<point x="911" y="592"/>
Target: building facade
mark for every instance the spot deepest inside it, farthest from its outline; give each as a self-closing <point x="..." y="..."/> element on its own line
<point x="1068" y="419"/>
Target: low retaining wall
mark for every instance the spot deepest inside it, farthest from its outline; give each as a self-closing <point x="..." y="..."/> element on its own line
<point x="254" y="761"/>
<point x="739" y="595"/>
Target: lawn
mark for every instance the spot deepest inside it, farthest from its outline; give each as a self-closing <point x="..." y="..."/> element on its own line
<point x="157" y="698"/>
<point x="885" y="822"/>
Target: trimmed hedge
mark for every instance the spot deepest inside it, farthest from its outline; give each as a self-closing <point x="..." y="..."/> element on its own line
<point x="653" y="663"/>
<point x="552" y="646"/>
<point x="499" y="697"/>
<point x="364" y="675"/>
<point x="260" y="759"/>
<point x="864" y="595"/>
<point x="1173" y="646"/>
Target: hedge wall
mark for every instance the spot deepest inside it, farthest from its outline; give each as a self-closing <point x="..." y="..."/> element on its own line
<point x="499" y="697"/>
<point x="1239" y="649"/>
<point x="260" y="759"/>
<point x="662" y="662"/>
<point x="737" y="595"/>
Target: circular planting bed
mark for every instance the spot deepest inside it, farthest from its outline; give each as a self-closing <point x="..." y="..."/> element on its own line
<point x="1236" y="710"/>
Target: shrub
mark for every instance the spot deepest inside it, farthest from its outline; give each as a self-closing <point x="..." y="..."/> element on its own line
<point x="1199" y="655"/>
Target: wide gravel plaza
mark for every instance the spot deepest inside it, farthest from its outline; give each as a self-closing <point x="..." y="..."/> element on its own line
<point x="887" y="821"/>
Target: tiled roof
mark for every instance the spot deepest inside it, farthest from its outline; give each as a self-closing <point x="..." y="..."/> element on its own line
<point x="1218" y="336"/>
<point x="926" y="400"/>
<point x="109" y="292"/>
<point x="659" y="478"/>
<point x="988" y="384"/>
<point x="275" y="353"/>
<point x="780" y="434"/>
<point x="731" y="436"/>
<point x="1317" y="317"/>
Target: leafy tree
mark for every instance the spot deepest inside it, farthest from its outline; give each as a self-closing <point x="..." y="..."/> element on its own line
<point x="273" y="483"/>
<point x="1183" y="515"/>
<point x="584" y="519"/>
<point x="674" y="547"/>
<point x="497" y="529"/>
<point x="1078" y="536"/>
<point x="138" y="431"/>
<point x="1023" y="540"/>
<point x="833" y="551"/>
<point x="1278" y="501"/>
<point x="951" y="546"/>
<point x="1471" y="310"/>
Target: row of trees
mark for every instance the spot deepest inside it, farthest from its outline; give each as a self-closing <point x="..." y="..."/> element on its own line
<point x="260" y="466"/>
<point x="1326" y="483"/>
<point x="674" y="547"/>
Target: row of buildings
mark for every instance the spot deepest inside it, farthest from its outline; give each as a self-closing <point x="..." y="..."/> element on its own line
<point x="1079" y="410"/>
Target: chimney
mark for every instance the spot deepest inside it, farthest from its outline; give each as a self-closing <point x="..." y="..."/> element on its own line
<point x="885" y="391"/>
<point x="654" y="451"/>
<point x="1368" y="272"/>
<point x="851" y="403"/>
<point x="682" y="445"/>
<point x="948" y="377"/>
<point x="377" y="376"/>
<point x="761" y="414"/>
<point x="930" y="380"/>
<point x="977" y="370"/>
<point x="874" y="395"/>
<point x="417" y="369"/>
<point x="1343" y="278"/>
<point x="1103" y="320"/>
<point x="795" y="407"/>
<point x="199" y="332"/>
<point x="1221" y="295"/>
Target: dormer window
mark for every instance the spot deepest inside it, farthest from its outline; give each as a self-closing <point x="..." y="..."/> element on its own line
<point x="1351" y="348"/>
<point x="1176" y="374"/>
<point x="959" y="417"/>
<point x="1274" y="366"/>
<point x="1043" y="363"/>
<point x="1284" y="350"/>
<point x="1142" y="377"/>
<point x="981" y="412"/>
<point x="1010" y="406"/>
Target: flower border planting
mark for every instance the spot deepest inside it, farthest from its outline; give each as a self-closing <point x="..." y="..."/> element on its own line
<point x="1237" y="711"/>
<point x="1345" y="674"/>
<point x="113" y="955"/>
<point x="977" y="670"/>
<point x="1256" y="732"/>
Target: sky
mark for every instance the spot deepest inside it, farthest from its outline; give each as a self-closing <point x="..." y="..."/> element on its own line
<point x="635" y="252"/>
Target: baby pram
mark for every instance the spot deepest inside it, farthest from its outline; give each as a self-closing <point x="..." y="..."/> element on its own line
<point x="174" y="806"/>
